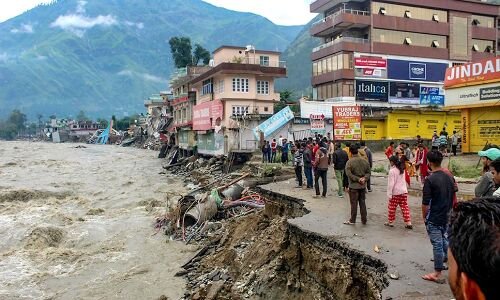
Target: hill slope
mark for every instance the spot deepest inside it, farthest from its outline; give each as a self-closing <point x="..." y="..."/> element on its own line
<point x="298" y="58"/>
<point x="106" y="56"/>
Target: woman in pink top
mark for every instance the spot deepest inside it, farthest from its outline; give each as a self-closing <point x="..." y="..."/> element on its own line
<point x="397" y="193"/>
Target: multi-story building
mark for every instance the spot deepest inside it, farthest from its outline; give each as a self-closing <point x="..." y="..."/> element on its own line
<point x="390" y="57"/>
<point x="387" y="55"/>
<point x="183" y="100"/>
<point x="233" y="97"/>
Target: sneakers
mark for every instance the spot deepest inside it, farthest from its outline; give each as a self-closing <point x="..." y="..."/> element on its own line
<point x="341" y="196"/>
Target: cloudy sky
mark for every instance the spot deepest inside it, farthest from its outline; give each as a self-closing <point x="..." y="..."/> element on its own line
<point x="283" y="12"/>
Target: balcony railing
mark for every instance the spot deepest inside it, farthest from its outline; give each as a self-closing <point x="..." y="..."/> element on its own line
<point x="343" y="11"/>
<point x="339" y="40"/>
<point x="256" y="61"/>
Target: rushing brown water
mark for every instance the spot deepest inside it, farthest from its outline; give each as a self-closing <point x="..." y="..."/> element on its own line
<point x="74" y="224"/>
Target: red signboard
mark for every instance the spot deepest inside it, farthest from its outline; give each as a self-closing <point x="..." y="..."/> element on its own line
<point x="205" y="115"/>
<point x="481" y="72"/>
<point x="370" y="62"/>
<point x="347" y="122"/>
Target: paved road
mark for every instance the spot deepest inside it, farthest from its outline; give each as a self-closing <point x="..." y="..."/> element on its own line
<point x="406" y="251"/>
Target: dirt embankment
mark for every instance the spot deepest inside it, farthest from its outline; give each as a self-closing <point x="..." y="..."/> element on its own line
<point x="262" y="256"/>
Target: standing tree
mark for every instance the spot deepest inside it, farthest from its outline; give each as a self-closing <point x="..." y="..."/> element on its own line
<point x="181" y="51"/>
<point x="17" y="118"/>
<point x="202" y="54"/>
<point x="82" y="116"/>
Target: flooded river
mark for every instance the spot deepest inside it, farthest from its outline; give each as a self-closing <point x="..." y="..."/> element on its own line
<point x="75" y="223"/>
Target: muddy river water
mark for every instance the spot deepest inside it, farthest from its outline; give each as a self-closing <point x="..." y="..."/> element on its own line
<point x="75" y="223"/>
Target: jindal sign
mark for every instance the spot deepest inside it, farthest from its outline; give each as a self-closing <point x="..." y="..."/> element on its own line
<point x="481" y="72"/>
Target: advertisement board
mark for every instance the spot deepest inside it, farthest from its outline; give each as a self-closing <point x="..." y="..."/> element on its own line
<point x="370" y="66"/>
<point x="368" y="90"/>
<point x="486" y="94"/>
<point x="416" y="70"/>
<point x="430" y="95"/>
<point x="206" y="115"/>
<point x="274" y="123"/>
<point x="318" y="124"/>
<point x="346" y="122"/>
<point x="404" y="93"/>
<point x="481" y="72"/>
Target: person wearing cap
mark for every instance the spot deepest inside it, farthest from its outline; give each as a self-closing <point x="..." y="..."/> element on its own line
<point x="485" y="186"/>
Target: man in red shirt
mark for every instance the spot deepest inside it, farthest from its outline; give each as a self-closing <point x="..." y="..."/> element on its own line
<point x="390" y="150"/>
<point x="274" y="145"/>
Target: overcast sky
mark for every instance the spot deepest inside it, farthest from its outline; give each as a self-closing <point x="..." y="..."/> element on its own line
<point x="282" y="12"/>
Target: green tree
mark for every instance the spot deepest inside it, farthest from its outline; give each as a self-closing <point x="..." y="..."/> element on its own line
<point x="17" y="118"/>
<point x="103" y="123"/>
<point x="286" y="100"/>
<point x="82" y="116"/>
<point x="202" y="54"/>
<point x="8" y="131"/>
<point x="180" y="47"/>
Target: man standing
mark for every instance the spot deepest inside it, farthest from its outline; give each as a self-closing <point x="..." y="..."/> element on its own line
<point x="298" y="163"/>
<point x="473" y="255"/>
<point x="369" y="156"/>
<point x="358" y="172"/>
<point x="274" y="145"/>
<point x="308" y="159"/>
<point x="339" y="160"/>
<point x="321" y="163"/>
<point x="454" y="143"/>
<point x="437" y="201"/>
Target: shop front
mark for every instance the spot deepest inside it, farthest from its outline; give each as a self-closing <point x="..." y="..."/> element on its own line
<point x="474" y="89"/>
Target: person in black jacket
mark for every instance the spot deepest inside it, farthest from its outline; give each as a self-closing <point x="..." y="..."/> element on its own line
<point x="307" y="156"/>
<point x="339" y="160"/>
<point x="369" y="155"/>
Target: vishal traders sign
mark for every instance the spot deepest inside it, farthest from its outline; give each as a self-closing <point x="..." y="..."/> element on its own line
<point x="347" y="122"/>
<point x="274" y="123"/>
<point x="372" y="90"/>
<point x="481" y="72"/>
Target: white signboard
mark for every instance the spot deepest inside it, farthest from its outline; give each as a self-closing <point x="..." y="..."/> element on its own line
<point x="473" y="95"/>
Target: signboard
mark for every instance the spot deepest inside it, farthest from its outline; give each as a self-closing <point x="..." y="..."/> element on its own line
<point x="416" y="70"/>
<point x="404" y="93"/>
<point x="274" y="123"/>
<point x="486" y="94"/>
<point x="301" y="121"/>
<point x="370" y="66"/>
<point x="481" y="72"/>
<point x="347" y="123"/>
<point x="318" y="124"/>
<point x="367" y="90"/>
<point x="431" y="95"/>
<point x="207" y="115"/>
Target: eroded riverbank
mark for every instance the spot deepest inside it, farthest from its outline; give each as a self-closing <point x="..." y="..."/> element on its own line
<point x="74" y="224"/>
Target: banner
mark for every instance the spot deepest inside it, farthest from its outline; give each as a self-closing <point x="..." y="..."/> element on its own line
<point x="367" y="90"/>
<point x="207" y="114"/>
<point x="404" y="93"/>
<point x="416" y="70"/>
<point x="431" y="96"/>
<point x="274" y="123"/>
<point x="485" y="71"/>
<point x="370" y="66"/>
<point x="347" y="122"/>
<point x="318" y="124"/>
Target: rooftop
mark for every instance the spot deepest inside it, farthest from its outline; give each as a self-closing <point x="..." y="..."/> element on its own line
<point x="244" y="48"/>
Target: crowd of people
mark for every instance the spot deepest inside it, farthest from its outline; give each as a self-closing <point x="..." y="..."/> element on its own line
<point x="443" y="216"/>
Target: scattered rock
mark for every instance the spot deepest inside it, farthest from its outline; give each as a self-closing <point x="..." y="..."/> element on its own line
<point x="394" y="275"/>
<point x="95" y="211"/>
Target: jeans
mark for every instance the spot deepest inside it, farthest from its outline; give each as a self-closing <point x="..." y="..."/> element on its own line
<point x="454" y="149"/>
<point x="355" y="197"/>
<point x="439" y="240"/>
<point x="320" y="173"/>
<point x="309" y="176"/>
<point x="284" y="157"/>
<point x="273" y="156"/>
<point x="339" y="174"/>
<point x="298" y="174"/>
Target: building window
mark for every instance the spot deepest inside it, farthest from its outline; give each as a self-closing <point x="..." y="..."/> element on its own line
<point x="475" y="22"/>
<point x="435" y="44"/>
<point x="407" y="41"/>
<point x="264" y="61"/>
<point x="382" y="11"/>
<point x="262" y="87"/>
<point x="408" y="14"/>
<point x="475" y="48"/>
<point x="418" y="13"/>
<point x="240" y="85"/>
<point x="207" y="87"/>
<point x="239" y="110"/>
<point x="266" y="109"/>
<point x="435" y="18"/>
